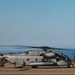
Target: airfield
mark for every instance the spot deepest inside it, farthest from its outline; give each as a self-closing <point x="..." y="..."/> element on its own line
<point x="42" y="70"/>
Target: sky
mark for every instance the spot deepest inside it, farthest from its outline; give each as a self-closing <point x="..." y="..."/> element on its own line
<point x="38" y="23"/>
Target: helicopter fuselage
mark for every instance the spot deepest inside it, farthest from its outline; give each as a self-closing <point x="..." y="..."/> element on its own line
<point x="40" y="58"/>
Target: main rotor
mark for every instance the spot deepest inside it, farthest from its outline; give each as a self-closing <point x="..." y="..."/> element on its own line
<point x="45" y="48"/>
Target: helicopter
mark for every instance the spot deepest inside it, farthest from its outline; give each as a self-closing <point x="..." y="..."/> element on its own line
<point x="47" y="56"/>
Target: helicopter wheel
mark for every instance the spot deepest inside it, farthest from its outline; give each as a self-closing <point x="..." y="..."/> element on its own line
<point x="68" y="66"/>
<point x="24" y="64"/>
<point x="14" y="64"/>
<point x="34" y="66"/>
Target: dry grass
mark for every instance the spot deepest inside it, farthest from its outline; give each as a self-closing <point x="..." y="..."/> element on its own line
<point x="10" y="70"/>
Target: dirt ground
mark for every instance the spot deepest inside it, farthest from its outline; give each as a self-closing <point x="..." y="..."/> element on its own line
<point x="10" y="70"/>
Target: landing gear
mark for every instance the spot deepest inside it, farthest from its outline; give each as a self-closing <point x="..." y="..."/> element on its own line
<point x="68" y="66"/>
<point x="24" y="64"/>
<point x="2" y="65"/>
<point x="34" y="66"/>
<point x="14" y="64"/>
<point x="2" y="62"/>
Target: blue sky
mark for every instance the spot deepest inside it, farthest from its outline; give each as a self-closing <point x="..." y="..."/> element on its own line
<point x="37" y="23"/>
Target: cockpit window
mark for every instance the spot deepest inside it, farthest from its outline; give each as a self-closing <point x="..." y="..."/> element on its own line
<point x="63" y="58"/>
<point x="68" y="59"/>
<point x="57" y="59"/>
<point x="27" y="52"/>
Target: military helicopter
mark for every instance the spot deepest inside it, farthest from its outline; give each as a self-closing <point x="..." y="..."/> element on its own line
<point x="47" y="56"/>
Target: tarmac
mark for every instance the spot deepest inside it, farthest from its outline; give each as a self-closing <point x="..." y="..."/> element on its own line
<point x="42" y="70"/>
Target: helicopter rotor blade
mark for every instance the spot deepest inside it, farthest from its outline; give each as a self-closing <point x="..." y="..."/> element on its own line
<point x="37" y="47"/>
<point x="42" y="47"/>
